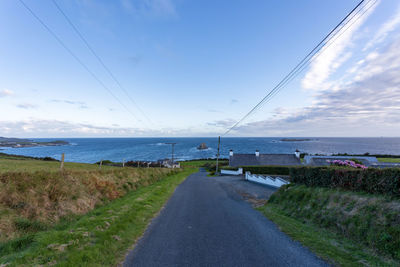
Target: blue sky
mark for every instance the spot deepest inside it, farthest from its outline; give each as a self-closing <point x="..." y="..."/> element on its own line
<point x="195" y="67"/>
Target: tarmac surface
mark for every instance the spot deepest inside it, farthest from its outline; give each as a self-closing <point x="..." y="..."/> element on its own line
<point x="208" y="222"/>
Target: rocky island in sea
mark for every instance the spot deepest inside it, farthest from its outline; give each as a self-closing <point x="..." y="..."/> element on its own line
<point x="202" y="146"/>
<point x="17" y="142"/>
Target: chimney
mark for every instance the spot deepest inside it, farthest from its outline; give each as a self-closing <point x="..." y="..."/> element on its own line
<point x="230" y="153"/>
<point x="297" y="153"/>
<point x="257" y="153"/>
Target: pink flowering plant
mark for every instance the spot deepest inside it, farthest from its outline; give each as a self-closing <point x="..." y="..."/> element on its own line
<point x="348" y="163"/>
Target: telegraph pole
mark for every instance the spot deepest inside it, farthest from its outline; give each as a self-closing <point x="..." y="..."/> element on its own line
<point x="216" y="168"/>
<point x="172" y="154"/>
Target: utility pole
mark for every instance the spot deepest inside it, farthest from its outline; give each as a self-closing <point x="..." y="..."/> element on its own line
<point x="172" y="154"/>
<point x="216" y="168"/>
<point x="62" y="161"/>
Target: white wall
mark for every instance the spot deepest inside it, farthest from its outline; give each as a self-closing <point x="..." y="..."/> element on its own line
<point x="267" y="180"/>
<point x="230" y="172"/>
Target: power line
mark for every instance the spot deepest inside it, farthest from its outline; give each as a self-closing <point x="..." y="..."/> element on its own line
<point x="328" y="43"/>
<point x="322" y="49"/>
<point x="99" y="59"/>
<point x="76" y="58"/>
<point x="306" y="60"/>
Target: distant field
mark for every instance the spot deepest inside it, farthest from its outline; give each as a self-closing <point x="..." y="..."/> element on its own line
<point x="196" y="163"/>
<point x="393" y="160"/>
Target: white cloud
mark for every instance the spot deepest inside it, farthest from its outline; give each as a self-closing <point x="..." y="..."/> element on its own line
<point x="79" y="104"/>
<point x="334" y="54"/>
<point x="6" y="92"/>
<point x="222" y="123"/>
<point x="56" y="128"/>
<point x="160" y="8"/>
<point x="26" y="106"/>
<point x="384" y="31"/>
<point x="367" y="105"/>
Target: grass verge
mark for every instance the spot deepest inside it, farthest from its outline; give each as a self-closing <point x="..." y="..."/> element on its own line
<point x="99" y="238"/>
<point x="349" y="228"/>
<point x="330" y="246"/>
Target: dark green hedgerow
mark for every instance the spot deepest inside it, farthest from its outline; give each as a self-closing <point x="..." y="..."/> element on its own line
<point x="371" y="180"/>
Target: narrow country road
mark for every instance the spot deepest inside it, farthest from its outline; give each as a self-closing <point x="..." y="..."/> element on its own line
<point x="207" y="223"/>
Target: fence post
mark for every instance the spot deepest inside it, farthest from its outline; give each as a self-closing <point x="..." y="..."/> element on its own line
<point x="101" y="163"/>
<point x="62" y="161"/>
<point x="123" y="163"/>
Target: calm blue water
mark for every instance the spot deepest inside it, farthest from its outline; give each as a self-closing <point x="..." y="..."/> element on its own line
<point x="150" y="149"/>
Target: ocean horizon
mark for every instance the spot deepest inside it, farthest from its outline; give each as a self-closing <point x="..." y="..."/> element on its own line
<point x="90" y="150"/>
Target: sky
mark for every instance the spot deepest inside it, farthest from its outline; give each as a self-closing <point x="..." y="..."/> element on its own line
<point x="193" y="68"/>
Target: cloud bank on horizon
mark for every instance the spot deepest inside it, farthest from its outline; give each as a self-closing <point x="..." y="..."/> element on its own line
<point x="363" y="97"/>
<point x="352" y="88"/>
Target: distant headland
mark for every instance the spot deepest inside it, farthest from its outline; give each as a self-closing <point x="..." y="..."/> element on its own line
<point x="18" y="143"/>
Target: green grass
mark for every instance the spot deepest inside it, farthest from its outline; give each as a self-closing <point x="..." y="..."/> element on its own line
<point x="196" y="163"/>
<point x="364" y="221"/>
<point x="330" y="246"/>
<point x="31" y="165"/>
<point x="393" y="160"/>
<point x="102" y="237"/>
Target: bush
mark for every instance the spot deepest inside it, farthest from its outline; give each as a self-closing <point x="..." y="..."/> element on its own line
<point x="371" y="180"/>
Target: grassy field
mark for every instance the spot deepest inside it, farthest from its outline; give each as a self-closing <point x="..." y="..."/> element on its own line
<point x="208" y="165"/>
<point x="102" y="237"/>
<point x="393" y="160"/>
<point x="346" y="228"/>
<point x="196" y="163"/>
<point x="29" y="165"/>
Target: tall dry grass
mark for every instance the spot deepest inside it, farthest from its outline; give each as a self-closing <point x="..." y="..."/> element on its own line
<point x="43" y="197"/>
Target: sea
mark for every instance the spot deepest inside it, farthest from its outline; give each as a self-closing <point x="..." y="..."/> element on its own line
<point x="92" y="150"/>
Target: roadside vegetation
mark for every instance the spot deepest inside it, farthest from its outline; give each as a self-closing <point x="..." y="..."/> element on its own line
<point x="203" y="163"/>
<point x="42" y="206"/>
<point x="208" y="164"/>
<point x="101" y="237"/>
<point x="346" y="228"/>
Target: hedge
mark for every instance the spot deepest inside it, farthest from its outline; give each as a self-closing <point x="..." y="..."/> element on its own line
<point x="371" y="180"/>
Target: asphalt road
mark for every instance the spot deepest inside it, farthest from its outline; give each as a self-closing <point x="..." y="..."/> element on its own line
<point x="207" y="223"/>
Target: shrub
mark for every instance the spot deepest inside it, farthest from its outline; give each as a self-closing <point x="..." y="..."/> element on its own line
<point x="371" y="180"/>
<point x="348" y="163"/>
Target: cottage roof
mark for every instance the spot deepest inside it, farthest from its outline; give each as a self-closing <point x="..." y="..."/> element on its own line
<point x="263" y="159"/>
